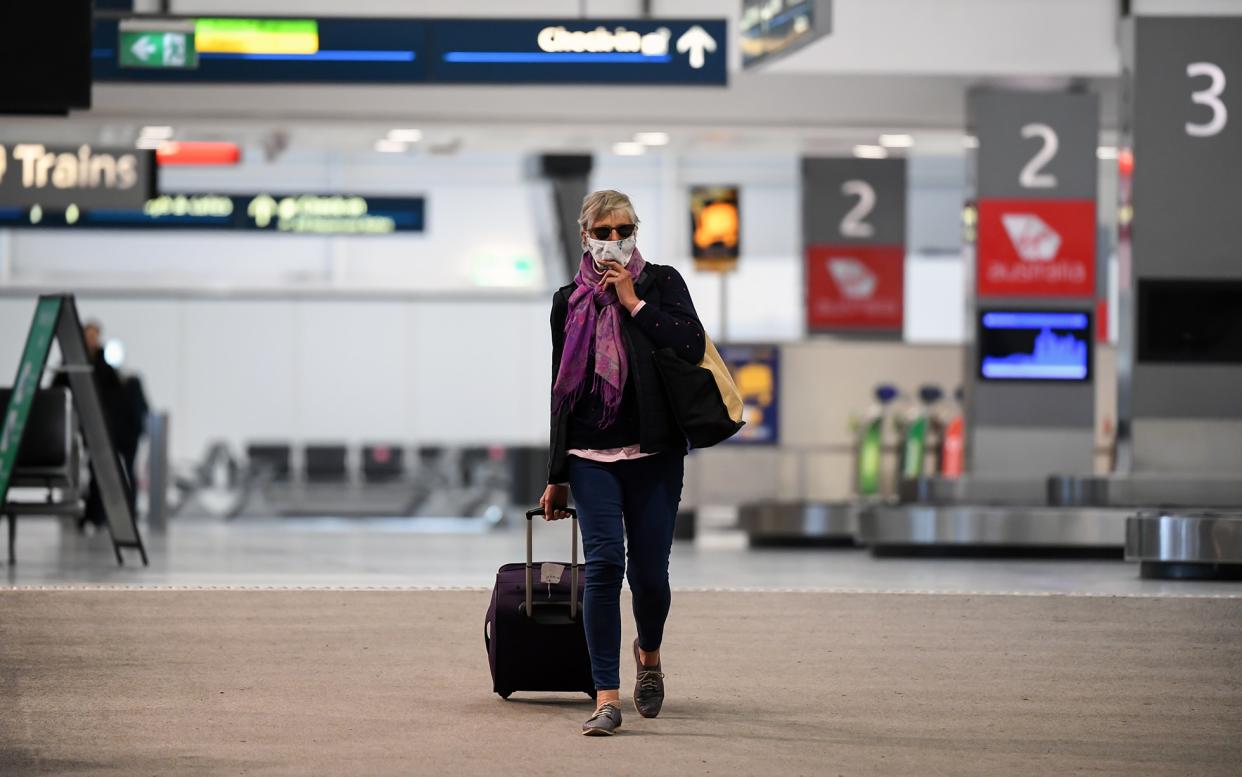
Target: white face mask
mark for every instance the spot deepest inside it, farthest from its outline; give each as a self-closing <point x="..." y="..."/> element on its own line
<point x="616" y="250"/>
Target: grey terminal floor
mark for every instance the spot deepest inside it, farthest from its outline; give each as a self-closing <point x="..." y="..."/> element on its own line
<point x="427" y="552"/>
<point x="289" y="665"/>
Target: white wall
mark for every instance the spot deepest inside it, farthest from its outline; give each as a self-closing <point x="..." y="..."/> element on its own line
<point x="300" y="337"/>
<point x="307" y="370"/>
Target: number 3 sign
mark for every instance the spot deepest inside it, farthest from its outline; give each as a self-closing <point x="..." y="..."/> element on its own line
<point x="1187" y="142"/>
<point x="1209" y="97"/>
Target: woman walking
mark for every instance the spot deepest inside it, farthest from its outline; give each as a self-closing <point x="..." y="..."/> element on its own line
<point x="615" y="442"/>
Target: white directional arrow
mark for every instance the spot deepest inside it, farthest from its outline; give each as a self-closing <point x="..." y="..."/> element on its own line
<point x="143" y="48"/>
<point x="696" y="41"/>
<point x="261" y="209"/>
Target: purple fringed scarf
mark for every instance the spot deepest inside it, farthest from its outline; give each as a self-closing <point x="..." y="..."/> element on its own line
<point x="594" y="321"/>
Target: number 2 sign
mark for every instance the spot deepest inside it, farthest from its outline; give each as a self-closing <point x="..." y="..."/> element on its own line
<point x="854" y="234"/>
<point x="860" y="201"/>
<point x="1036" y="181"/>
<point x="1035" y="145"/>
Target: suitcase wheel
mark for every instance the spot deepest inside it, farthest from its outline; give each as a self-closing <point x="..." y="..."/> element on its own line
<point x="505" y="694"/>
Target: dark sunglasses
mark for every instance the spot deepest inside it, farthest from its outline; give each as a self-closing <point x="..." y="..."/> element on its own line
<point x="602" y="233"/>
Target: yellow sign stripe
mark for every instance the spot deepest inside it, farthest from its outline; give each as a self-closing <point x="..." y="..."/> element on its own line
<point x="256" y="36"/>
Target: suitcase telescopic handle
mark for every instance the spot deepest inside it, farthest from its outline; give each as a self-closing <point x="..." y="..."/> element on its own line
<point x="530" y="562"/>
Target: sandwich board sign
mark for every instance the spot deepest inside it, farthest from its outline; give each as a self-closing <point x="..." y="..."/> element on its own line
<point x="56" y="317"/>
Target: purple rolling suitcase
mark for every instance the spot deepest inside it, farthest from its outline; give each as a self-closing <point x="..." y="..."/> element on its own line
<point x="533" y="632"/>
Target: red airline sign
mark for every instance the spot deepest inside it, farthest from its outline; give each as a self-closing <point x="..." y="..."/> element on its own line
<point x="1036" y="248"/>
<point x="851" y="287"/>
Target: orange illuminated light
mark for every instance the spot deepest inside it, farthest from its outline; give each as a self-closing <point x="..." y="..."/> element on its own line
<point x="718" y="223"/>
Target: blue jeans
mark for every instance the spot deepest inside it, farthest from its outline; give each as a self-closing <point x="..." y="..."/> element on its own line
<point x="638" y="500"/>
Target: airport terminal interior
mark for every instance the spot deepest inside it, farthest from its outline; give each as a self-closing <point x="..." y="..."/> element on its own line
<point x="942" y="299"/>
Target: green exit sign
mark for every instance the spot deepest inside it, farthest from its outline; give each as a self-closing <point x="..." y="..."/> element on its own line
<point x="158" y="49"/>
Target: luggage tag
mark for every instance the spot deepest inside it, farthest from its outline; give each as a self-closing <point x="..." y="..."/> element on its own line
<point x="551" y="573"/>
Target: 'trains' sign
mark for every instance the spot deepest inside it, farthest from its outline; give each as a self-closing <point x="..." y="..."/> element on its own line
<point x="55" y="177"/>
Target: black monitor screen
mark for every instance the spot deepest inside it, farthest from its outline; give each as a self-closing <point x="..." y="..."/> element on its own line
<point x="45" y="56"/>
<point x="1034" y="345"/>
<point x="1190" y="321"/>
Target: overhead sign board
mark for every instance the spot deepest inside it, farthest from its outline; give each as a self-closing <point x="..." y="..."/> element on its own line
<point x="1187" y="120"/>
<point x="295" y="214"/>
<point x="1036" y="179"/>
<point x="861" y="201"/>
<point x="769" y="28"/>
<point x="246" y="50"/>
<point x="370" y="50"/>
<point x="57" y="177"/>
<point x="643" y="51"/>
<point x="854" y="232"/>
<point x="1036" y="145"/>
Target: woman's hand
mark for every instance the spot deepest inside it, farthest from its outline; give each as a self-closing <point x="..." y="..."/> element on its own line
<point x="618" y="277"/>
<point x="553" y="502"/>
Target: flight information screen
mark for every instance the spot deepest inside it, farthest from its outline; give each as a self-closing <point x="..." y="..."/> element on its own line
<point x="1034" y="345"/>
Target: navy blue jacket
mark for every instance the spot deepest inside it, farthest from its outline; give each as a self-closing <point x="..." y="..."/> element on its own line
<point x="667" y="320"/>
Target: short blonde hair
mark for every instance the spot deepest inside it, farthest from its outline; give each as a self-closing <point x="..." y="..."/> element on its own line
<point x="601" y="202"/>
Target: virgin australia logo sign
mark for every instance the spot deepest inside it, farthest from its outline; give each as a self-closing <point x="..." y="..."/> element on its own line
<point x="1034" y="240"/>
<point x="1040" y="260"/>
<point x="852" y="277"/>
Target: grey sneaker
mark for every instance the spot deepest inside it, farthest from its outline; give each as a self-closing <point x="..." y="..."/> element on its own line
<point x="649" y="688"/>
<point x="605" y="721"/>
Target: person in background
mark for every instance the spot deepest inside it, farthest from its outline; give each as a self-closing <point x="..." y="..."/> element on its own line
<point x="616" y="443"/>
<point x="121" y="409"/>
<point x="127" y="445"/>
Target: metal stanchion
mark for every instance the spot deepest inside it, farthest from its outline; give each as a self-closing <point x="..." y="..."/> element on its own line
<point x="157" y="471"/>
